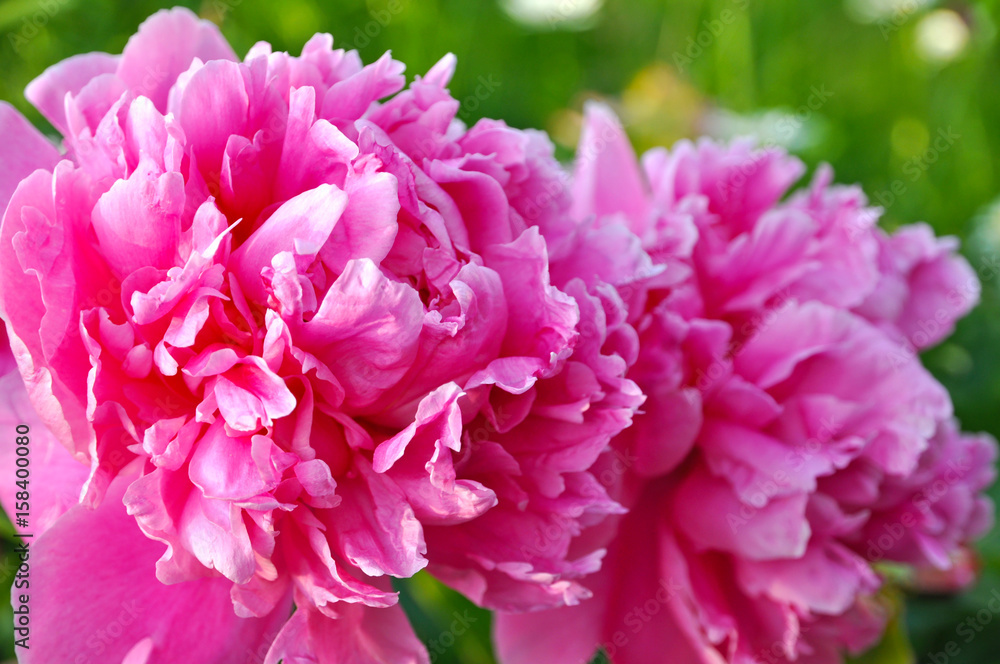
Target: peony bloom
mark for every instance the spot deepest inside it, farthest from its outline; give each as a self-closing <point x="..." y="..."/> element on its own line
<point x="791" y="438"/>
<point x="301" y="341"/>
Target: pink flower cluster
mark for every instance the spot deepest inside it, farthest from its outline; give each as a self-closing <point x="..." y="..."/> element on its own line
<point x="791" y="438"/>
<point x="305" y="341"/>
<point x="284" y="329"/>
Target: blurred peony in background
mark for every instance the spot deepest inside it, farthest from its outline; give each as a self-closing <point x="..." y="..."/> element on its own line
<point x="898" y="95"/>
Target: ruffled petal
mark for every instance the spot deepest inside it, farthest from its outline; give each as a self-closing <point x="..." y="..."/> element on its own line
<point x="94" y="569"/>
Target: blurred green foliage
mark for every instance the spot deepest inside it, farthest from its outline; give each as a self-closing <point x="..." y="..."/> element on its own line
<point x="867" y="85"/>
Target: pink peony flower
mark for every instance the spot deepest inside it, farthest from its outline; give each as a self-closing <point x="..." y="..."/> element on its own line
<point x="304" y="341"/>
<point x="791" y="437"/>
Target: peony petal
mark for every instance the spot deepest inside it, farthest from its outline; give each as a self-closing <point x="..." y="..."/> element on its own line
<point x="665" y="433"/>
<point x="714" y="518"/>
<point x="542" y="636"/>
<point x="359" y="635"/>
<point x="314" y="152"/>
<point x="40" y="265"/>
<point x="222" y="466"/>
<point x="368" y="225"/>
<point x="826" y="580"/>
<point x="24" y="150"/>
<point x="48" y="91"/>
<point x="607" y="179"/>
<point x="56" y="478"/>
<point x="96" y="569"/>
<point x="215" y="105"/>
<point x="375" y="527"/>
<point x="546" y="316"/>
<point x="164" y="47"/>
<point x="302" y="225"/>
<point x="366" y="331"/>
<point x="350" y="98"/>
<point x="139" y="220"/>
<point x="926" y="286"/>
<point x="250" y="395"/>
